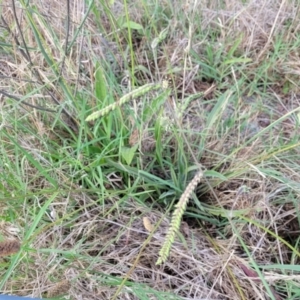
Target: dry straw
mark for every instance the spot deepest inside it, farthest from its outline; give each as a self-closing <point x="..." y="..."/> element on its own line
<point x="59" y="289"/>
<point x="176" y="218"/>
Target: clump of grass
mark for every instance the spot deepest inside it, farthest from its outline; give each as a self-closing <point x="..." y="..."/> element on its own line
<point x="78" y="191"/>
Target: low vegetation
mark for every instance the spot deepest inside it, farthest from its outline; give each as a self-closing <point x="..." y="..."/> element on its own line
<point x="150" y="149"/>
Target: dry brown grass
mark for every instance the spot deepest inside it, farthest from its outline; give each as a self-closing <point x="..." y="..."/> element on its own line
<point x="196" y="268"/>
<point x="94" y="247"/>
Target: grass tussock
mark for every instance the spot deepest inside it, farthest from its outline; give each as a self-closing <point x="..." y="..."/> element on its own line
<point x="97" y="151"/>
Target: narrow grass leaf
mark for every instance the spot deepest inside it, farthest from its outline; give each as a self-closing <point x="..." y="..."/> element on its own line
<point x="295" y="268"/>
<point x="211" y="173"/>
<point x="132" y="25"/>
<point x="237" y="61"/>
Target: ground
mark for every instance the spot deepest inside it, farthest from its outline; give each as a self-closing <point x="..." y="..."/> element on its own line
<point x="150" y="149"/>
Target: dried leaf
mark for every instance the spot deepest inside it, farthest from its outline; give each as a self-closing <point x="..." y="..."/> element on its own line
<point x="147" y="224"/>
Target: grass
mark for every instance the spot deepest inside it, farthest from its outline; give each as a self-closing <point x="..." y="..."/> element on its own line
<point x="99" y="157"/>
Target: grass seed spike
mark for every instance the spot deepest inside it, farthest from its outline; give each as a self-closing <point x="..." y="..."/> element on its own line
<point x="133" y="94"/>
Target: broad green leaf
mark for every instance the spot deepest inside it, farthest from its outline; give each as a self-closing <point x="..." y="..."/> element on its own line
<point x="132" y="25"/>
<point x="236" y="60"/>
<point x="100" y="83"/>
<point x="128" y="153"/>
<point x="212" y="173"/>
